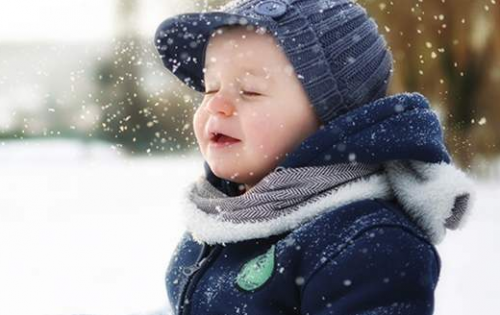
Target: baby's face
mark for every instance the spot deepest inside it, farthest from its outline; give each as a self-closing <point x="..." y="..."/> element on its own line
<point x="253" y="95"/>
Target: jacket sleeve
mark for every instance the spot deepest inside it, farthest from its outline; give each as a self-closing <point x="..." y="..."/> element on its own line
<point x="385" y="270"/>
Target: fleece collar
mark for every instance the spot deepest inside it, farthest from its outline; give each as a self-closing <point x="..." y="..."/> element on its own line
<point x="401" y="132"/>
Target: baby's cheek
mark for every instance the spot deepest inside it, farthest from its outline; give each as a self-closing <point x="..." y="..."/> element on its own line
<point x="267" y="138"/>
<point x="259" y="128"/>
<point x="198" y="127"/>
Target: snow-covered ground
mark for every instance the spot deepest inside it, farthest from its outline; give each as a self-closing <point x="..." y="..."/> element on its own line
<point x="84" y="230"/>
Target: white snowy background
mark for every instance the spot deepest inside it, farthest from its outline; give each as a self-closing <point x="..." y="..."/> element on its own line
<point x="84" y="230"/>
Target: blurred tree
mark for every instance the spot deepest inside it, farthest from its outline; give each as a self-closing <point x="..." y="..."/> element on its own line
<point x="448" y="51"/>
<point x="139" y="120"/>
<point x="126" y="118"/>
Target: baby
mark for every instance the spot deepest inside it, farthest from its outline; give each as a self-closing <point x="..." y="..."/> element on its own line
<point x="321" y="194"/>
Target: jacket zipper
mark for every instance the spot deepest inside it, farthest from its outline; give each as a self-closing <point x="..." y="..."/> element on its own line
<point x="194" y="275"/>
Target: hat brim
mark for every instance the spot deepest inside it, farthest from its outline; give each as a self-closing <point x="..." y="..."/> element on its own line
<point x="182" y="41"/>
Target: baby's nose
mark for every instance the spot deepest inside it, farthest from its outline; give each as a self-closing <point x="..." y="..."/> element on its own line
<point x="221" y="104"/>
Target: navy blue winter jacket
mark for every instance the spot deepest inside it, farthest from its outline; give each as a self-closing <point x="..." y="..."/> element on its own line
<point x="364" y="256"/>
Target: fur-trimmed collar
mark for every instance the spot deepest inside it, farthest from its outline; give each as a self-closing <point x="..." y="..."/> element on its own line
<point x="429" y="193"/>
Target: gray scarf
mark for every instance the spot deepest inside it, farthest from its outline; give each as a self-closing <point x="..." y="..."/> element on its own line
<point x="279" y="193"/>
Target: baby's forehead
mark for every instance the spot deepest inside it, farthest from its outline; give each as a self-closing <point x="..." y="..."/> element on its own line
<point x="251" y="70"/>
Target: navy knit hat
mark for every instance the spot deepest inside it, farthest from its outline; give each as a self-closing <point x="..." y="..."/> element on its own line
<point x="334" y="46"/>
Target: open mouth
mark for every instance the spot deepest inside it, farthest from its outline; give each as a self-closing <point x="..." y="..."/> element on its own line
<point x="219" y="138"/>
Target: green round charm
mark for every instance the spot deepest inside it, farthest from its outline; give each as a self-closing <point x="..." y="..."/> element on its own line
<point x="257" y="271"/>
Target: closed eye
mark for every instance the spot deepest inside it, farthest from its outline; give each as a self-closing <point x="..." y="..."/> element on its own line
<point x="248" y="93"/>
<point x="251" y="93"/>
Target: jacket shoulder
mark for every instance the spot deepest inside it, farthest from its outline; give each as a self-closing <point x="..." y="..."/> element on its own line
<point x="331" y="231"/>
<point x="346" y="221"/>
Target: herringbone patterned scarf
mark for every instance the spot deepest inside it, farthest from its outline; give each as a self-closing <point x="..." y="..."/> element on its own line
<point x="279" y="193"/>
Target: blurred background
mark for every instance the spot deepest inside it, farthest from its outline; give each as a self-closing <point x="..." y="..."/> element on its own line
<point x="96" y="145"/>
